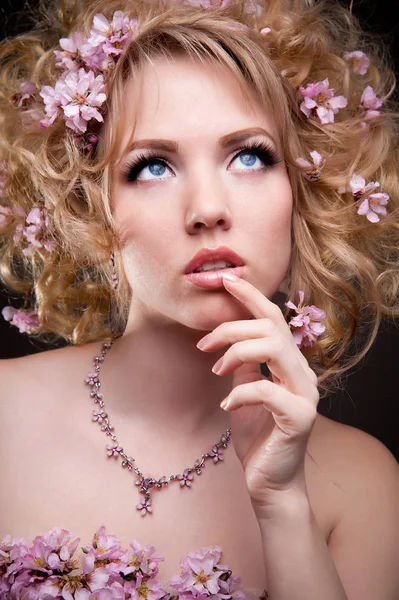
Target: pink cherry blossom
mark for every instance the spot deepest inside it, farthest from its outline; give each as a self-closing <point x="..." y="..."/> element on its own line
<point x="144" y="560"/>
<point x="48" y="569"/>
<point x="27" y="94"/>
<point x="72" y="53"/>
<point x="253" y="8"/>
<point x="374" y="205"/>
<point x="199" y="573"/>
<point x="112" y="36"/>
<point x="26" y="320"/>
<point x="313" y="171"/>
<point x="79" y="94"/>
<point x="208" y="3"/>
<point x="36" y="234"/>
<point x="371" y="205"/>
<point x="5" y="216"/>
<point x="306" y="325"/>
<point x="359" y="60"/>
<point x="358" y="187"/>
<point x="142" y="587"/>
<point x="319" y="99"/>
<point x="370" y="103"/>
<point x="52" y="101"/>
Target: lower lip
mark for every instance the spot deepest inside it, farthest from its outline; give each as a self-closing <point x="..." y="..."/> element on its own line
<point x="212" y="279"/>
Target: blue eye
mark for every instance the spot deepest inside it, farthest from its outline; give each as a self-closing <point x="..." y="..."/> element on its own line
<point x="157" y="166"/>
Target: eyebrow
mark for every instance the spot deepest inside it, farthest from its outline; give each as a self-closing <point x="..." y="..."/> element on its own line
<point x="225" y="141"/>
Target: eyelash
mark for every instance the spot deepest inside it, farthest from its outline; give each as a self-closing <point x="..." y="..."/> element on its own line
<point x="267" y="154"/>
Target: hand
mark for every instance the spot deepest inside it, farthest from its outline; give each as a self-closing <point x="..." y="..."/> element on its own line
<point x="272" y="418"/>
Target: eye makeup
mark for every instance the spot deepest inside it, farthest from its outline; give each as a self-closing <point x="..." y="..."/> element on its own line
<point x="262" y="150"/>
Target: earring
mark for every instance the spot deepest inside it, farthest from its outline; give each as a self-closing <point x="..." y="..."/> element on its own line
<point x="115" y="280"/>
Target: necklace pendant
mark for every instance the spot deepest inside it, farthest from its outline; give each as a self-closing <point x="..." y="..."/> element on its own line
<point x="145" y="505"/>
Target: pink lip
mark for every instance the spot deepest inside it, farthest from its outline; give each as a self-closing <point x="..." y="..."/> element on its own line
<point x="212" y="279"/>
<point x="211" y="255"/>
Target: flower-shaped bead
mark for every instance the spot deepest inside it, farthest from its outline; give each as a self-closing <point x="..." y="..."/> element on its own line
<point x="186" y="478"/>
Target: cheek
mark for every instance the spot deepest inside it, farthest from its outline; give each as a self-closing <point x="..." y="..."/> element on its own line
<point x="270" y="220"/>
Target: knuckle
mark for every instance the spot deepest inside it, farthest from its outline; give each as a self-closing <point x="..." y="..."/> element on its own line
<point x="269" y="327"/>
<point x="279" y="346"/>
<point x="311" y="411"/>
<point x="312" y="376"/>
<point x="261" y="387"/>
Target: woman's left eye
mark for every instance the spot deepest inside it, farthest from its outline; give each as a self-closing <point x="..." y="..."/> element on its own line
<point x="152" y="168"/>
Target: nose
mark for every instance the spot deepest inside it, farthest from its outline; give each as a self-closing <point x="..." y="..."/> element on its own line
<point x="208" y="204"/>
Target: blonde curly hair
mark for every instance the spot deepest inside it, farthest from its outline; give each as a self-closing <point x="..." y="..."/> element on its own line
<point x="345" y="264"/>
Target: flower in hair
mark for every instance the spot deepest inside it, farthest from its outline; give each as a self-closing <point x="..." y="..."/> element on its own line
<point x="358" y="187"/>
<point x="371" y="205"/>
<point x="79" y="94"/>
<point x="359" y="60"/>
<point x="8" y="214"/>
<point x="73" y="53"/>
<point x="313" y="171"/>
<point x="29" y="103"/>
<point x="111" y="37"/>
<point x="319" y="100"/>
<point x="250" y="6"/>
<point x="26" y="96"/>
<point x="36" y="233"/>
<point x="208" y="3"/>
<point x="5" y="216"/>
<point x="370" y="103"/>
<point x="26" y="320"/>
<point x="306" y="325"/>
<point x="374" y="205"/>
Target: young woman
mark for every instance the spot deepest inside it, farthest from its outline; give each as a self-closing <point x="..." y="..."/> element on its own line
<point x="167" y="169"/>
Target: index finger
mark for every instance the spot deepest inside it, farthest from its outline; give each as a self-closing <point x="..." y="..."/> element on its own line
<point x="254" y="300"/>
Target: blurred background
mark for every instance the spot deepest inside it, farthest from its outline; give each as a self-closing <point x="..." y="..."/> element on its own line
<point x="369" y="398"/>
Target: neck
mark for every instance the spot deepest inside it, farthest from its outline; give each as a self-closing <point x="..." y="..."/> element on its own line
<point x="155" y="375"/>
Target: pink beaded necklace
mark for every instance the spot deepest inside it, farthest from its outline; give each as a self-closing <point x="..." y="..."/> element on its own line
<point x="144" y="483"/>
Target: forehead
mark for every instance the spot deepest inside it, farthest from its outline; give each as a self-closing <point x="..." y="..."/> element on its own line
<point x="182" y="98"/>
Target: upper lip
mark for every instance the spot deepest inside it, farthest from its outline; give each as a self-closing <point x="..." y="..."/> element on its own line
<point x="211" y="255"/>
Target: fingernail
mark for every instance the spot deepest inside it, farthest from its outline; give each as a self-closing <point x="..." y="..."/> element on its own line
<point x="217" y="367"/>
<point x="224" y="403"/>
<point x="202" y="344"/>
<point x="230" y="277"/>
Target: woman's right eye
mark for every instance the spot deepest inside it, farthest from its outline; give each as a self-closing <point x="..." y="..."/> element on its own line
<point x="145" y="168"/>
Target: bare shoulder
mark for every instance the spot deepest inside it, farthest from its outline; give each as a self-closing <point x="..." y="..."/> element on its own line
<point x="364" y="542"/>
<point x="360" y="466"/>
<point x="350" y="452"/>
<point x="35" y="374"/>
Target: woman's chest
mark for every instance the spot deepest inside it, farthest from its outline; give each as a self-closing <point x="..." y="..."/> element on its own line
<point x="55" y="477"/>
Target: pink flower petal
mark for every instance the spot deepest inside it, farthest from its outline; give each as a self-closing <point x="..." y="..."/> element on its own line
<point x="360" y="61"/>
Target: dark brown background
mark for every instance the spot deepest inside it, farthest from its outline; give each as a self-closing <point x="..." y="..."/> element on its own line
<point x="370" y="399"/>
